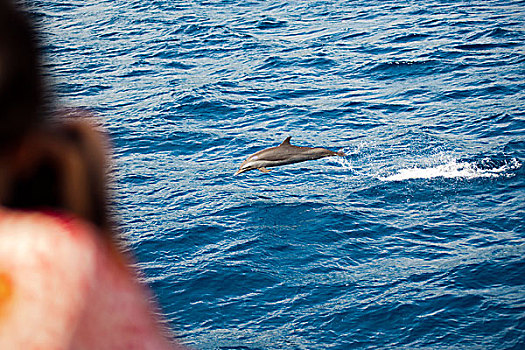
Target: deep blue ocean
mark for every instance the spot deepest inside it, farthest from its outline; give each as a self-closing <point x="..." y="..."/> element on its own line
<point x="414" y="240"/>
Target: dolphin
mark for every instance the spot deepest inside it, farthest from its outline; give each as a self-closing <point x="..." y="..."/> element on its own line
<point x="283" y="154"/>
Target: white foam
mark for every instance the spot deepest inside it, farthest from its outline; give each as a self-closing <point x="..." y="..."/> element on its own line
<point x="454" y="169"/>
<point x="346" y="163"/>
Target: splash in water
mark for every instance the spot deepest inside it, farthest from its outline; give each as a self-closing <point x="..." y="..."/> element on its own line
<point x="453" y="168"/>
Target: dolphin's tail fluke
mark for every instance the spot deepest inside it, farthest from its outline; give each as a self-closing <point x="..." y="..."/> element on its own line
<point x="341" y="154"/>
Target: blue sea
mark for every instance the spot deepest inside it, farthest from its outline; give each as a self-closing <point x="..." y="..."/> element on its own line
<point x="414" y="240"/>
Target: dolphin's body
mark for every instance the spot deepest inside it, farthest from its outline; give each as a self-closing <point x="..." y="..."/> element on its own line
<point x="283" y="154"/>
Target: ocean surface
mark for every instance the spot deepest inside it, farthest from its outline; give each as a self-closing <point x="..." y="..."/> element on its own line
<point x="414" y="240"/>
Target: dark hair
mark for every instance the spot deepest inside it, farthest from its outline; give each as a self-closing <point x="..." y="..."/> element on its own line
<point x="62" y="167"/>
<point x="22" y="97"/>
<point x="47" y="162"/>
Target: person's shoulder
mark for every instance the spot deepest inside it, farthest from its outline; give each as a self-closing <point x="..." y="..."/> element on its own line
<point x="47" y="267"/>
<point x="55" y="245"/>
<point x="44" y="232"/>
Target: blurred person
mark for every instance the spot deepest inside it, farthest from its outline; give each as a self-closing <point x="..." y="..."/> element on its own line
<point x="64" y="281"/>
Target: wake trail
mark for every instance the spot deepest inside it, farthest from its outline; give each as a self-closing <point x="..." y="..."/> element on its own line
<point x="454" y="169"/>
<point x="440" y="165"/>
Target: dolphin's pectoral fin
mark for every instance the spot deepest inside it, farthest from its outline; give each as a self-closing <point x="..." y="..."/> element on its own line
<point x="264" y="170"/>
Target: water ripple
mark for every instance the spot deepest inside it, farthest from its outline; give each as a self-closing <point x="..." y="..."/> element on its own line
<point x="414" y="240"/>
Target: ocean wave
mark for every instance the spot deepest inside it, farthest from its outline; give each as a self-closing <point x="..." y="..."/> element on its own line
<point x="413" y="240"/>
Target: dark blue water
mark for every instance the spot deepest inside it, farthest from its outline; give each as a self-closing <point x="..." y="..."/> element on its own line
<point x="415" y="240"/>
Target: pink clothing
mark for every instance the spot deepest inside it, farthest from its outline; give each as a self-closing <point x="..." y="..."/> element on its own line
<point x="62" y="287"/>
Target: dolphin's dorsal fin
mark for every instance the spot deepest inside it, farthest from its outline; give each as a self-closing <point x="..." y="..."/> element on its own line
<point x="286" y="142"/>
